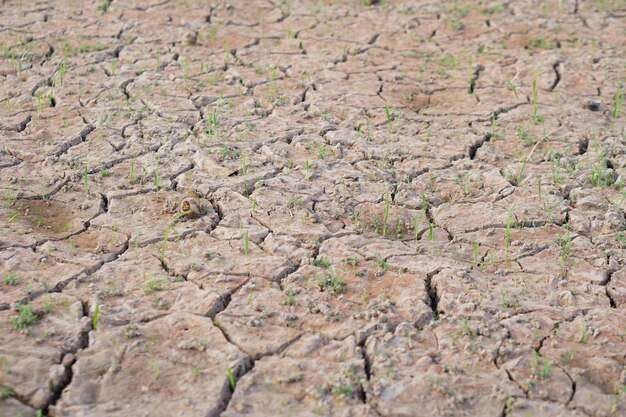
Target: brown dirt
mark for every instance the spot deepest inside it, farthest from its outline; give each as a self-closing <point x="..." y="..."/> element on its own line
<point x="397" y="208"/>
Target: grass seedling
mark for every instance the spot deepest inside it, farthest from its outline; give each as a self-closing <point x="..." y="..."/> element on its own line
<point x="47" y="306"/>
<point x="38" y="102"/>
<point x="582" y="333"/>
<point x="475" y="253"/>
<point x="525" y="137"/>
<point x="321" y="152"/>
<point x="616" y="103"/>
<point x="330" y="281"/>
<point x="133" y="179"/>
<point x="244" y="172"/>
<point x="355" y="217"/>
<point x="321" y="263"/>
<point x="416" y="230"/>
<point x="9" y="199"/>
<point x="431" y="234"/>
<point x="112" y="67"/>
<point x="62" y="71"/>
<point x="507" y="232"/>
<point x="509" y="406"/>
<point x="359" y="130"/>
<point x="103" y="172"/>
<point x="10" y="279"/>
<point x="541" y="367"/>
<point x="244" y="166"/>
<point x="466" y="330"/>
<point x="154" y="285"/>
<point x="291" y="300"/>
<point x="231" y="379"/>
<point x="13" y="216"/>
<point x="246" y="244"/>
<point x="389" y="116"/>
<point x="599" y="177"/>
<point x="565" y="247"/>
<point x="104" y="6"/>
<point x="86" y="179"/>
<point x="382" y="265"/>
<point x="512" y="88"/>
<point x="536" y="118"/>
<point x="185" y="66"/>
<point x="254" y="204"/>
<point x="224" y="153"/>
<point x="5" y="393"/>
<point x="131" y="331"/>
<point x="155" y="175"/>
<point x="96" y="317"/>
<point x="25" y="318"/>
<point x="307" y="168"/>
<point x="294" y="202"/>
<point x="386" y="213"/>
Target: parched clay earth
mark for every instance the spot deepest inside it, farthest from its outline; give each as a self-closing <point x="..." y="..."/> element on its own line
<point x="312" y="208"/>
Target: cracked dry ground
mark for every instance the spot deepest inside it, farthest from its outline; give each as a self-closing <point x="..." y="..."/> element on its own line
<point x="302" y="208"/>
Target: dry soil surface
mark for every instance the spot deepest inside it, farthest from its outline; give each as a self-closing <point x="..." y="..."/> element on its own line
<point x="312" y="208"/>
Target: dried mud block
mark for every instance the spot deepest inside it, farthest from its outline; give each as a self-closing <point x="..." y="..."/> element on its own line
<point x="312" y="376"/>
<point x="39" y="343"/>
<point x="439" y="370"/>
<point x="182" y="361"/>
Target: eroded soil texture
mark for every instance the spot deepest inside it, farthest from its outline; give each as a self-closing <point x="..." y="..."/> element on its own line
<point x="312" y="208"/>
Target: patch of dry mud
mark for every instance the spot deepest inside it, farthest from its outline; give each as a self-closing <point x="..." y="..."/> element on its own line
<point x="302" y="207"/>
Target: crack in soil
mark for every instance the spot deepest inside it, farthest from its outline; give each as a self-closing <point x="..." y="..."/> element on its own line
<point x="557" y="76"/>
<point x="475" y="75"/>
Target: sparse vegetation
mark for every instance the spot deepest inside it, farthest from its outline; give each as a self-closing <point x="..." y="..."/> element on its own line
<point x="307" y="170"/>
<point x="5" y="392"/>
<point x="104" y="6"/>
<point x="386" y="213"/>
<point x="321" y="263"/>
<point x="541" y="367"/>
<point x="25" y="318"/>
<point x="381" y="264"/>
<point x="330" y="282"/>
<point x="155" y="284"/>
<point x="617" y="101"/>
<point x="536" y="118"/>
<point x="231" y="379"/>
<point x="96" y="317"/>
<point x="10" y="279"/>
